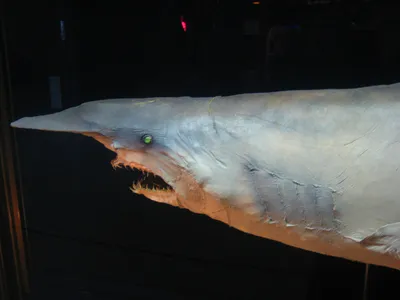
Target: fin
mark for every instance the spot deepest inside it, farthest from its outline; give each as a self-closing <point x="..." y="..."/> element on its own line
<point x="385" y="240"/>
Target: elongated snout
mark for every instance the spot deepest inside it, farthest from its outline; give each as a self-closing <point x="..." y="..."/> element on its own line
<point x="68" y="120"/>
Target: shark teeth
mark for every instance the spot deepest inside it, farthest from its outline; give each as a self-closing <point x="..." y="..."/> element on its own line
<point x="118" y="163"/>
<point x="140" y="186"/>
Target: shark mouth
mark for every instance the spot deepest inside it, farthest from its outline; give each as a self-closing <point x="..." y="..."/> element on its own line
<point x="150" y="182"/>
<point x="147" y="182"/>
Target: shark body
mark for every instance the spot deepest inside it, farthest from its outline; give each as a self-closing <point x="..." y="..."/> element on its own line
<point x="317" y="169"/>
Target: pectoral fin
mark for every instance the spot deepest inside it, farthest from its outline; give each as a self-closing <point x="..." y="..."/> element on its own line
<point x="385" y="240"/>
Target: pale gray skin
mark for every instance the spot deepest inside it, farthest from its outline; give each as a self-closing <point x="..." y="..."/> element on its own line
<point x="317" y="170"/>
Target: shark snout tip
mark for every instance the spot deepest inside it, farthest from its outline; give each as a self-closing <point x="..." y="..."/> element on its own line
<point x="19" y="123"/>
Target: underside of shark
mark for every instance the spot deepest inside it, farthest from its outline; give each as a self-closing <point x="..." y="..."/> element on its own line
<point x="316" y="169"/>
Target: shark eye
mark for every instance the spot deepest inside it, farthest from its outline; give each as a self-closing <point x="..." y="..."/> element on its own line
<point x="147" y="139"/>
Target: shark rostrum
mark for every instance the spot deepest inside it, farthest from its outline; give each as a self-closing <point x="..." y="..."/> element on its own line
<point x="314" y="169"/>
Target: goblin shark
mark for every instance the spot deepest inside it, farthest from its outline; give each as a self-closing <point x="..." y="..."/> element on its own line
<point x="313" y="169"/>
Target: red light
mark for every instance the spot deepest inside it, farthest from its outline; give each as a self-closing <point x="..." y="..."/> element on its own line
<point x="183" y="24"/>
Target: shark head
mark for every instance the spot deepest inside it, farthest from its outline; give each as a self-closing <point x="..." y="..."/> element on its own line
<point x="208" y="153"/>
<point x="170" y="138"/>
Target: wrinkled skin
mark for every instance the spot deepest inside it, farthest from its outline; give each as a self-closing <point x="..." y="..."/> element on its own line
<point x="317" y="170"/>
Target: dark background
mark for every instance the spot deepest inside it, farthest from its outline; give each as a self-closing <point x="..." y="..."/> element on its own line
<point x="89" y="237"/>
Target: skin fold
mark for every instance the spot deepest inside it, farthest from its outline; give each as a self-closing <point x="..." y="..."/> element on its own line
<point x="316" y="169"/>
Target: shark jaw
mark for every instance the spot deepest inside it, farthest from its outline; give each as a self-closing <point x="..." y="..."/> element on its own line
<point x="150" y="185"/>
<point x="162" y="180"/>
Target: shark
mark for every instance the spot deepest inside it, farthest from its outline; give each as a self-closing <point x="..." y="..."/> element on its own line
<point x="316" y="169"/>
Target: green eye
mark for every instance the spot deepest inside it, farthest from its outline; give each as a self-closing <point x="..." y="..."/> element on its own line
<point x="147" y="139"/>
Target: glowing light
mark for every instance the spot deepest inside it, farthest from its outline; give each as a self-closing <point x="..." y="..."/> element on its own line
<point x="183" y="24"/>
<point x="256" y="2"/>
